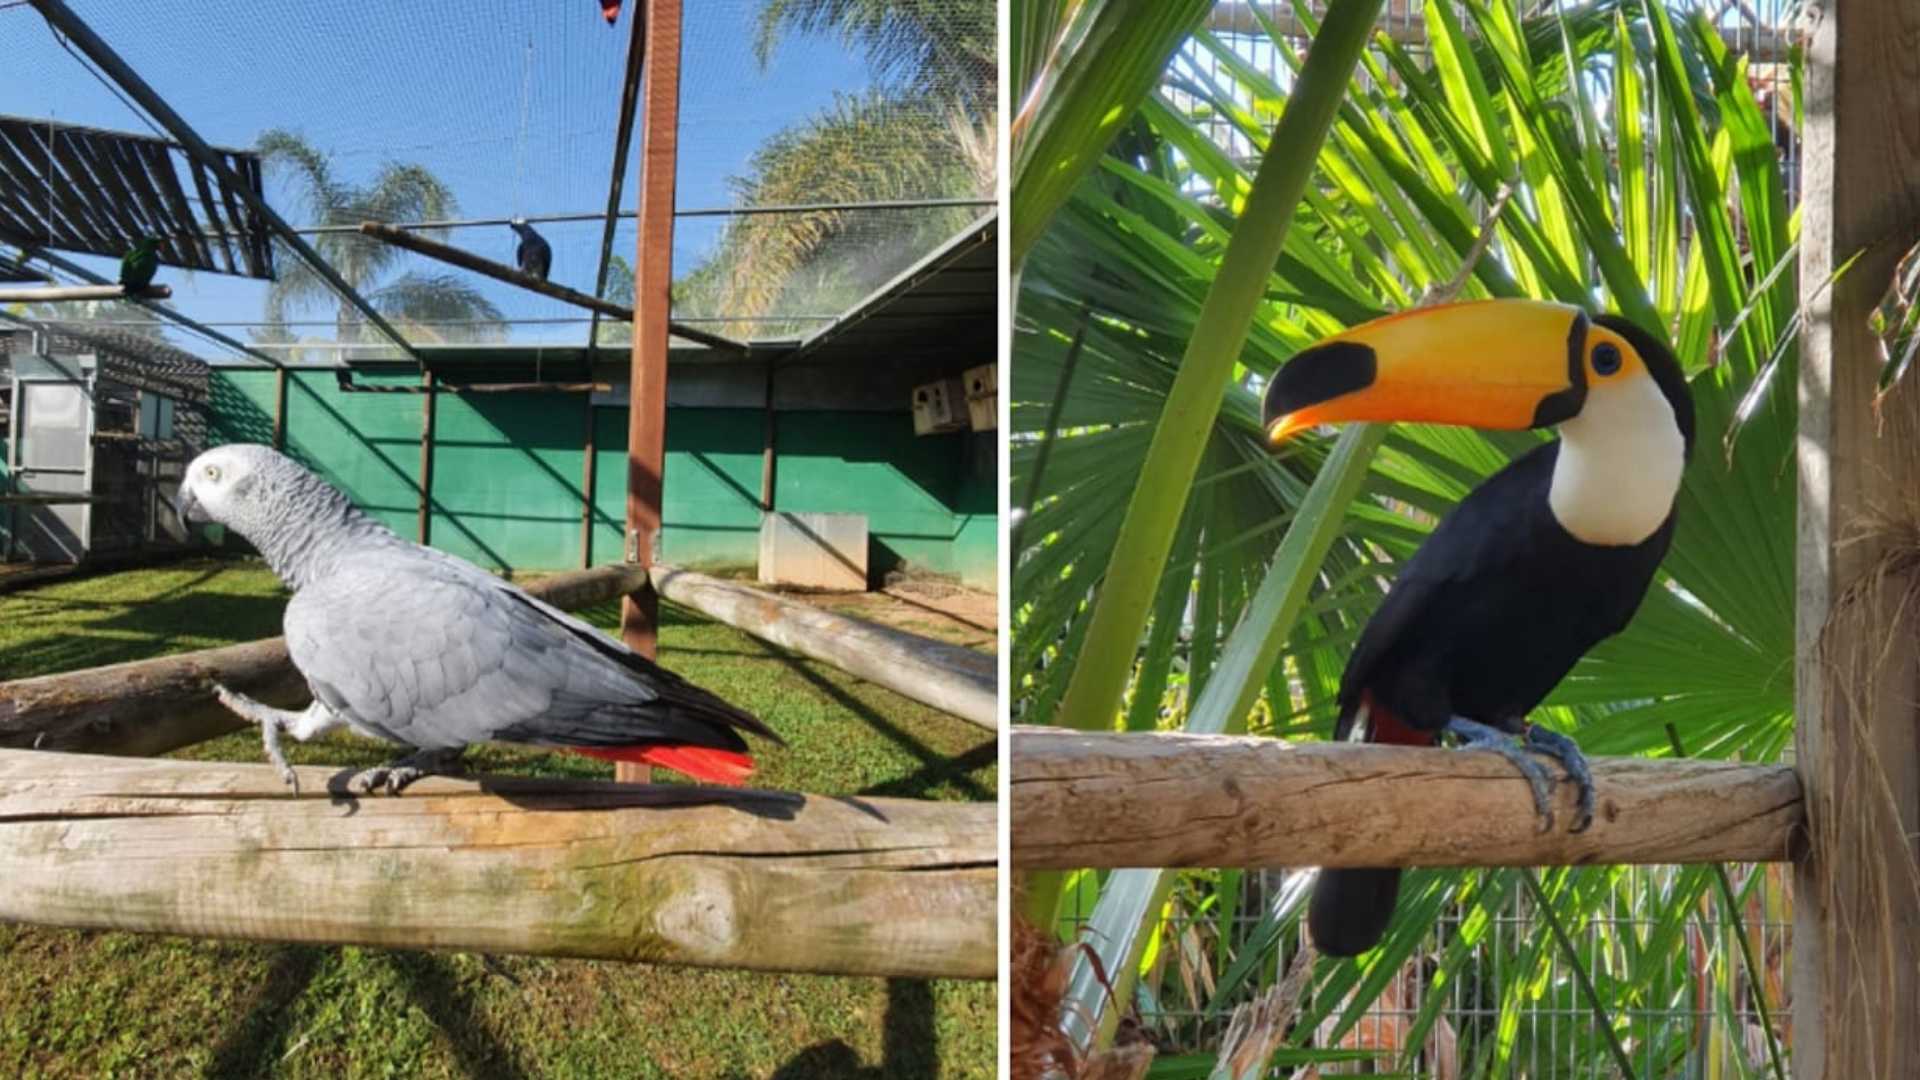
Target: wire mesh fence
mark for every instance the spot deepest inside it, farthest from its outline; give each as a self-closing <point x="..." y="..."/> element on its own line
<point x="1514" y="1009"/>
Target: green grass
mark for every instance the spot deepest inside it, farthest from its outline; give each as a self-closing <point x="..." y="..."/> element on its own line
<point x="76" y="1003"/>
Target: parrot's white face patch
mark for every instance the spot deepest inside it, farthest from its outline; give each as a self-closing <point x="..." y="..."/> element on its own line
<point x="1620" y="464"/>
<point x="212" y="482"/>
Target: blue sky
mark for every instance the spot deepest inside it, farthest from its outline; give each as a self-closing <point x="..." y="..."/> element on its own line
<point x="442" y="86"/>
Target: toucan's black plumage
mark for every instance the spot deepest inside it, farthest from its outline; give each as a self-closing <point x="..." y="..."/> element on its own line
<point x="1495" y="607"/>
<point x="534" y="255"/>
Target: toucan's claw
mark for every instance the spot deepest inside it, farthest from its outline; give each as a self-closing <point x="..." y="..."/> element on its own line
<point x="1474" y="735"/>
<point x="1566" y="752"/>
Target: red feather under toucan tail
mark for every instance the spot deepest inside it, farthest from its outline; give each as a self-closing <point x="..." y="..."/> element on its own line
<point x="1383" y="726"/>
<point x="611" y="10"/>
<point x="699" y="762"/>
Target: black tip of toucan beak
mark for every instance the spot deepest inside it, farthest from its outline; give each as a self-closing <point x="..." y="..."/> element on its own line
<point x="1315" y="375"/>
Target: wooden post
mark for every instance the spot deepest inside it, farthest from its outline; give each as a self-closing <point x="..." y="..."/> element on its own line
<point x="1856" y="936"/>
<point x="653" y="306"/>
<point x="712" y="877"/>
<point x="54" y="294"/>
<point x="280" y="408"/>
<point x="766" y="447"/>
<point x="427" y="407"/>
<point x="466" y="260"/>
<point x="588" y="469"/>
<point x="956" y="680"/>
<point x="1122" y="799"/>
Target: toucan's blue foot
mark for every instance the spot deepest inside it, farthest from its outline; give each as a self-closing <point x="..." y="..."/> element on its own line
<point x="1474" y="735"/>
<point x="1566" y="752"/>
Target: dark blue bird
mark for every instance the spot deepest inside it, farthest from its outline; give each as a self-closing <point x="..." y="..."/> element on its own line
<point x="534" y="255"/>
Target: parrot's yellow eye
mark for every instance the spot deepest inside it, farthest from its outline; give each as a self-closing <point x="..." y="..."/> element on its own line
<point x="213" y="473"/>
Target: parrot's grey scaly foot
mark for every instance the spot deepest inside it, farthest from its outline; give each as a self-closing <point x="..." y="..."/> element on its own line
<point x="396" y="775"/>
<point x="271" y="724"/>
<point x="1474" y="735"/>
<point x="1566" y="752"/>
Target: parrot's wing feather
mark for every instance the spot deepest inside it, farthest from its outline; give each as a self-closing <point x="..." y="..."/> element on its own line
<point x="434" y="652"/>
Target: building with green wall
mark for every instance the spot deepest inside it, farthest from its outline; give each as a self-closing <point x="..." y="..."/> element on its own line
<point x="509" y="476"/>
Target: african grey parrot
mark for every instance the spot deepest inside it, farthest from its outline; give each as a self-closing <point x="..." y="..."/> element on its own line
<point x="415" y="646"/>
<point x="534" y="255"/>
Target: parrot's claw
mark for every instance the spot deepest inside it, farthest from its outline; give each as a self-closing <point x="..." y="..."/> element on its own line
<point x="1567" y="753"/>
<point x="395" y="776"/>
<point x="1474" y="735"/>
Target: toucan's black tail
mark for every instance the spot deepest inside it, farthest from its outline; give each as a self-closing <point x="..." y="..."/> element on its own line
<point x="1350" y="909"/>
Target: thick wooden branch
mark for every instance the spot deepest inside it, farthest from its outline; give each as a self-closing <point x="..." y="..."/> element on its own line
<point x="466" y="260"/>
<point x="681" y="875"/>
<point x="950" y="678"/>
<point x="50" y="294"/>
<point x="1164" y="800"/>
<point x="152" y="706"/>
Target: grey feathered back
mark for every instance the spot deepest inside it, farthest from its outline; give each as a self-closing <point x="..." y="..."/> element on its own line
<point x="420" y="647"/>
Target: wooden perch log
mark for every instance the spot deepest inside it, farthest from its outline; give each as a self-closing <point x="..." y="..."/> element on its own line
<point x="682" y="875"/>
<point x="152" y="706"/>
<point x="1170" y="800"/>
<point x="950" y="678"/>
<point x="466" y="260"/>
<point x="53" y="294"/>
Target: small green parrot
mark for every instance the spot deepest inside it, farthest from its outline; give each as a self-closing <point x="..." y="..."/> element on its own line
<point x="138" y="266"/>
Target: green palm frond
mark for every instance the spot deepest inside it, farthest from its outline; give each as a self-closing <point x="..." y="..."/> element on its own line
<point x="1645" y="180"/>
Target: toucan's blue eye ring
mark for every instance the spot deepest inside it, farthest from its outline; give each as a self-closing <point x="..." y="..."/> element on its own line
<point x="1606" y="358"/>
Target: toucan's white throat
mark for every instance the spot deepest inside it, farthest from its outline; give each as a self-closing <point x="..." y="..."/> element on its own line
<point x="1620" y="464"/>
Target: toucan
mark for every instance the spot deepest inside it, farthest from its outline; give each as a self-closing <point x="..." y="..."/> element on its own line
<point x="1549" y="556"/>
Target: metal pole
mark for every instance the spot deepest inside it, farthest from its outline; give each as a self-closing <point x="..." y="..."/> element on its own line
<point x="692" y="212"/>
<point x="623" y="139"/>
<point x="652" y="293"/>
<point x="64" y="20"/>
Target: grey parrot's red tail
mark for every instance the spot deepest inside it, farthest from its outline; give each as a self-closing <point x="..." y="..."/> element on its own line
<point x="699" y="762"/>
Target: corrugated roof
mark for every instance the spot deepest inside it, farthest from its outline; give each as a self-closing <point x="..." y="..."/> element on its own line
<point x="107" y="187"/>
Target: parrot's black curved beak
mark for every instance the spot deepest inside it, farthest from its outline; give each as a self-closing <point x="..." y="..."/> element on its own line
<point x="188" y="507"/>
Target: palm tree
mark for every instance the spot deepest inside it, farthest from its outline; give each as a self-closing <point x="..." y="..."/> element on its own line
<point x="1621" y="193"/>
<point x="926" y="130"/>
<point x="398" y="192"/>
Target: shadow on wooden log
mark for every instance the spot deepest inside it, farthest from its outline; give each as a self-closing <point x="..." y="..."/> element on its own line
<point x="1171" y="800"/>
<point x="149" y="707"/>
<point x="710" y="877"/>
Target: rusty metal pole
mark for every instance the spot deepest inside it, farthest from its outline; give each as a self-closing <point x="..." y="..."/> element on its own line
<point x="652" y="301"/>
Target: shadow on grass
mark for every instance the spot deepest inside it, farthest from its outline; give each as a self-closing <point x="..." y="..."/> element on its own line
<point x="91" y="633"/>
<point x="436" y="991"/>
<point x="910" y="1049"/>
<point x="934" y="766"/>
<point x="254" y="1046"/>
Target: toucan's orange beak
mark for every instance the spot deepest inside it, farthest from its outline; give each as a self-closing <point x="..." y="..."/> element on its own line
<point x="1489" y="364"/>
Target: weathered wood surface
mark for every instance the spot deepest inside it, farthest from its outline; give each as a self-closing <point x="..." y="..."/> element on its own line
<point x="1097" y="799"/>
<point x="683" y="875"/>
<point x="950" y="678"/>
<point x="149" y="707"/>
<point x="1856" y="935"/>
<point x="48" y="294"/>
